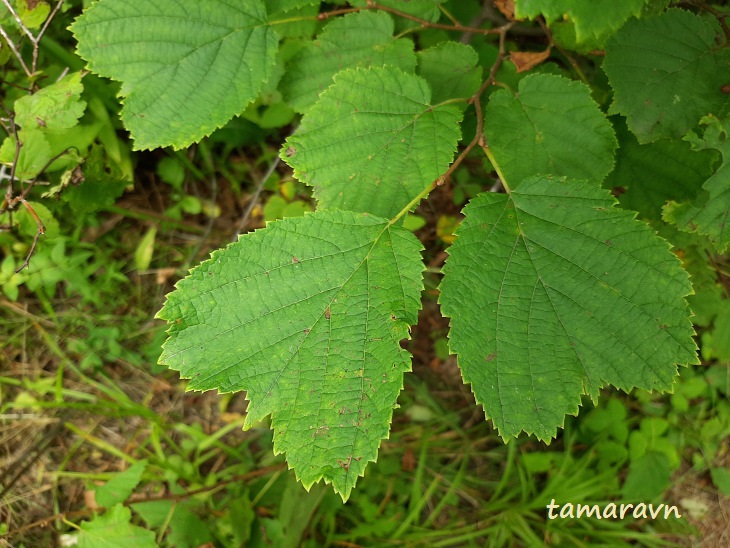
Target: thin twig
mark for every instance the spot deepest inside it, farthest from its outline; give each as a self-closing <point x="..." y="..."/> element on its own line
<point x="15" y="51"/>
<point x="14" y="85"/>
<point x="488" y="13"/>
<point x="18" y="20"/>
<point x="209" y="225"/>
<point x="449" y="16"/>
<point x="18" y="145"/>
<point x="41" y="230"/>
<point x="34" y="38"/>
<point x="551" y="43"/>
<point x="476" y="99"/>
<point x="721" y="16"/>
<point x="457" y="27"/>
<point x="40" y="34"/>
<point x="255" y="198"/>
<point x="33" y="181"/>
<point x="82" y="513"/>
<point x="478" y="139"/>
<point x="13" y="473"/>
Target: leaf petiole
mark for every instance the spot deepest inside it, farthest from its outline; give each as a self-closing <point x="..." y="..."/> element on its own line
<point x="495" y="165"/>
<point x="414" y="202"/>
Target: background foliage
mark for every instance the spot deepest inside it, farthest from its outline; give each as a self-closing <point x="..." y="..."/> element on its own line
<point x="97" y="227"/>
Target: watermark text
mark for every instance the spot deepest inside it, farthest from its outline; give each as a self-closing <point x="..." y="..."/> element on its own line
<point x="611" y="511"/>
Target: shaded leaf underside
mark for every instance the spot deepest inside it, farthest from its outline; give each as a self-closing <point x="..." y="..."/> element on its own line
<point x="187" y="67"/>
<point x="710" y="213"/>
<point x="593" y="18"/>
<point x="373" y="142"/>
<point x="649" y="175"/>
<point x="306" y="315"/>
<point x="666" y="73"/>
<point x="357" y="40"/>
<point x="553" y="292"/>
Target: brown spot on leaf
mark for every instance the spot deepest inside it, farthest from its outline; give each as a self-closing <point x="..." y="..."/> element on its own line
<point x="327" y="313"/>
<point x="725" y="88"/>
<point x="291" y="151"/>
<point x="294" y="260"/>
<point x="490" y="357"/>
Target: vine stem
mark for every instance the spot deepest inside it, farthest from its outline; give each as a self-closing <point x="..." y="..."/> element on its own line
<point x="478" y="139"/>
<point x="456" y="26"/>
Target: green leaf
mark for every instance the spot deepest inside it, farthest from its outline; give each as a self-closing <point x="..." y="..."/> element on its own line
<point x="95" y="185"/>
<point x="373" y="142"/>
<point x="357" y="40"/>
<point x="592" y="19"/>
<point x="296" y="511"/>
<point x="114" y="530"/>
<point x="187" y="530"/>
<point x="28" y="226"/>
<point x="145" y="249"/>
<point x="56" y="107"/>
<point x="550" y="127"/>
<point x="553" y="292"/>
<point x="649" y="175"/>
<point x="648" y="477"/>
<point x="306" y="315"/>
<point x="186" y="67"/>
<point x="451" y="70"/>
<point x="709" y="214"/>
<point x="32" y="13"/>
<point x="302" y="23"/>
<point x="120" y="486"/>
<point x="721" y="479"/>
<point x="277" y="6"/>
<point x="35" y="153"/>
<point x="721" y="333"/>
<point x="666" y="73"/>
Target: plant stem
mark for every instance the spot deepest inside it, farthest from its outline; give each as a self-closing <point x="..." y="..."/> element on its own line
<point x="424" y="23"/>
<point x="414" y="202"/>
<point x="476" y="100"/>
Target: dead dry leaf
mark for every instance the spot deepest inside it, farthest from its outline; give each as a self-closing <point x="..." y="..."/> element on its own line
<point x="527" y="60"/>
<point x="507" y="7"/>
